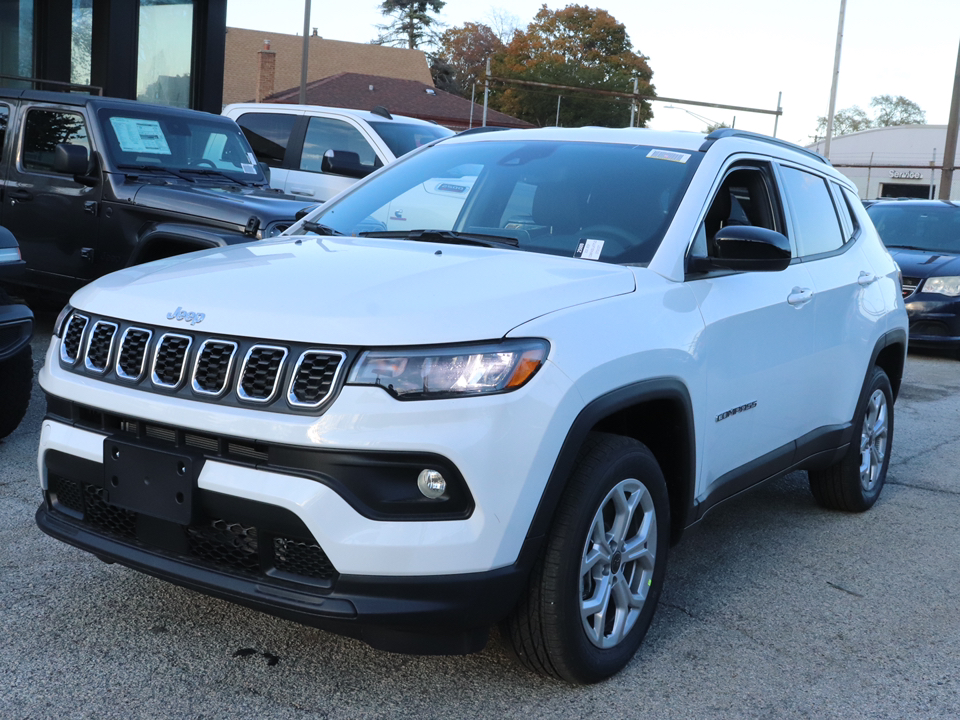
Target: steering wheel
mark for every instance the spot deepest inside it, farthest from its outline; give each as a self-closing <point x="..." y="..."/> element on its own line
<point x="204" y="161"/>
<point x="623" y="239"/>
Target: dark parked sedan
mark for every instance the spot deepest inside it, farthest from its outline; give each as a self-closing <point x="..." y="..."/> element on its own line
<point x="924" y="238"/>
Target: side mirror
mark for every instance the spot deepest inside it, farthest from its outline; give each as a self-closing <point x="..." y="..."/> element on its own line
<point x="745" y="248"/>
<point x="344" y="162"/>
<point x="70" y="159"/>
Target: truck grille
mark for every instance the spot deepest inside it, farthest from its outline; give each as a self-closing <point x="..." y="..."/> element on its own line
<point x="232" y="371"/>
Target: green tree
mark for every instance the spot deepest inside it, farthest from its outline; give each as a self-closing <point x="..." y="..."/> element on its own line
<point x="412" y="24"/>
<point x="577" y="46"/>
<point x="890" y="111"/>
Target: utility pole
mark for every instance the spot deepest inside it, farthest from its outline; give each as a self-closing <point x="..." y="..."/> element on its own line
<point x="633" y="103"/>
<point x="776" y="118"/>
<point x="836" y="79"/>
<point x="950" y="148"/>
<point x="486" y="94"/>
<point x="306" y="52"/>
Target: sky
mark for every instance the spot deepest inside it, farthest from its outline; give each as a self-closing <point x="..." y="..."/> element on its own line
<point x="735" y="52"/>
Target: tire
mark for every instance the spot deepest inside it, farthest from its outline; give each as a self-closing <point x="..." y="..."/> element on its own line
<point x="854" y="483"/>
<point x="16" y="384"/>
<point x="587" y="606"/>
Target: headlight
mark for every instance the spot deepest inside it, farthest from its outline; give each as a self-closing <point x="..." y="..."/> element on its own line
<point x="949" y="286"/>
<point x="61" y="319"/>
<point x="456" y="371"/>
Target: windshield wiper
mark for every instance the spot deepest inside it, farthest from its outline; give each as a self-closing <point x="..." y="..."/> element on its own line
<point x="447" y="236"/>
<point x="218" y="173"/>
<point x="910" y="247"/>
<point x="319" y="229"/>
<point x="154" y="168"/>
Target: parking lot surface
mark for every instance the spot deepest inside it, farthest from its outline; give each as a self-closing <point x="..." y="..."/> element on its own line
<point x="772" y="608"/>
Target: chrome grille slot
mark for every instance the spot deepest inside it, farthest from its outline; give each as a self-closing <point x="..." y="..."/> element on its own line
<point x="910" y="285"/>
<point x="99" y="346"/>
<point x="260" y="375"/>
<point x="314" y="376"/>
<point x="72" y="337"/>
<point x="170" y="359"/>
<point x="212" y="368"/>
<point x="132" y="358"/>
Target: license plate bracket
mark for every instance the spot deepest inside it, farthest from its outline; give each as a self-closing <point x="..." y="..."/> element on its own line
<point x="152" y="481"/>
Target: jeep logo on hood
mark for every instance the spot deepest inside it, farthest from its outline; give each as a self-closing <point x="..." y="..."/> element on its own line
<point x="191" y="317"/>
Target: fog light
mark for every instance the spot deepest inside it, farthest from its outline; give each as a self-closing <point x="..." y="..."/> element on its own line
<point x="431" y="484"/>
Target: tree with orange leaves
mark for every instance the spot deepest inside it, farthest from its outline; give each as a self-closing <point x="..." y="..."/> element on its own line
<point x="577" y="46"/>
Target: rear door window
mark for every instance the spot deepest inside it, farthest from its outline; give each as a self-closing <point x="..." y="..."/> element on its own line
<point x="815" y="218"/>
<point x="268" y="135"/>
<point x="4" y="119"/>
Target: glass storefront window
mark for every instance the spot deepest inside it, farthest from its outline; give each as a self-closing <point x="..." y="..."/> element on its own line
<point x="165" y="51"/>
<point x="16" y="40"/>
<point x="81" y="42"/>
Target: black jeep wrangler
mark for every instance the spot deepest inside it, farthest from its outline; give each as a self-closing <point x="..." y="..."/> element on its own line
<point x="89" y="185"/>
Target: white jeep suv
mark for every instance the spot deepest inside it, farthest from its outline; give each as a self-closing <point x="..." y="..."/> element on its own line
<point x="503" y="411"/>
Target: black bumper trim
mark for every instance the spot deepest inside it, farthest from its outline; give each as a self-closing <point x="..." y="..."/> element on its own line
<point x="445" y="614"/>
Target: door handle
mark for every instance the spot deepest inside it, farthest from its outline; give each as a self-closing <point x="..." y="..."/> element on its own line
<point x="867" y="278"/>
<point x="800" y="296"/>
<point x="18" y="194"/>
<point x="302" y="191"/>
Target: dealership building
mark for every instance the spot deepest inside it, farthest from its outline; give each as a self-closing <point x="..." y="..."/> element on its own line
<point x="898" y="161"/>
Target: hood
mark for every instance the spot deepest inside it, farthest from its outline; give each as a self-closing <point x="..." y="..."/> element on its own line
<point x="233" y="203"/>
<point x="354" y="291"/>
<point x="921" y="264"/>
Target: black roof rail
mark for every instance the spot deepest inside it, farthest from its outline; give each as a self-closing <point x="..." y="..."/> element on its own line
<point x="733" y="132"/>
<point x="482" y="129"/>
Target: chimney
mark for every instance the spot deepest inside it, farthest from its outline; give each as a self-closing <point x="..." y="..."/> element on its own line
<point x="315" y="32"/>
<point x="268" y="66"/>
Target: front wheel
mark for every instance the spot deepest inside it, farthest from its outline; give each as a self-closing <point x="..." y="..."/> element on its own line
<point x="854" y="483"/>
<point x="592" y="594"/>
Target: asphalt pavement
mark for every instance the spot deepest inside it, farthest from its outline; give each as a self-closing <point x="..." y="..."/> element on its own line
<point x="773" y="608"/>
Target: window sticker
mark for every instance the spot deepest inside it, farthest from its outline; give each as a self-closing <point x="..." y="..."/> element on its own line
<point x="251" y="158"/>
<point x="668" y="155"/>
<point x="248" y="169"/>
<point x="140" y="136"/>
<point x="589" y="249"/>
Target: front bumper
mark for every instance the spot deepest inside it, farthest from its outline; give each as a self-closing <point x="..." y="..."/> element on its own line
<point x="934" y="321"/>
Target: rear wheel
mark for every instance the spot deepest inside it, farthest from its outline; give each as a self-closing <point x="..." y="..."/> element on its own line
<point x="854" y="483"/>
<point x="593" y="592"/>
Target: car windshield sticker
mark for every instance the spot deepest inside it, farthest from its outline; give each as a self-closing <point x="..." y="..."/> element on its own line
<point x="251" y="158"/>
<point x="249" y="169"/>
<point x="667" y="155"/>
<point x="589" y="249"/>
<point x="141" y="136"/>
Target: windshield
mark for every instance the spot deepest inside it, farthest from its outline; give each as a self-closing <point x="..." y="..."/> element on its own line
<point x="606" y="202"/>
<point x="196" y="145"/>
<point x="926" y="227"/>
<point x="401" y="138"/>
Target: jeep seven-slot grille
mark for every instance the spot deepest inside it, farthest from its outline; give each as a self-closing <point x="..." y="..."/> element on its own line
<point x="223" y="544"/>
<point x="169" y="361"/>
<point x="72" y="336"/>
<point x="99" y="345"/>
<point x="195" y="365"/>
<point x="213" y="366"/>
<point x="260" y="373"/>
<point x="131" y="360"/>
<point x="315" y="376"/>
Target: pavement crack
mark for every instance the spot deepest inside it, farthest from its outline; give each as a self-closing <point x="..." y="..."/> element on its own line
<point x="680" y="608"/>
<point x="843" y="589"/>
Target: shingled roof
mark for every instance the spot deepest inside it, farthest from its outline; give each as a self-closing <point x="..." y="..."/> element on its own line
<point x="403" y="97"/>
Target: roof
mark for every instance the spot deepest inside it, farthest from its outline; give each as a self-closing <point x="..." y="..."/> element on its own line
<point x="325" y="58"/>
<point x="405" y="97"/>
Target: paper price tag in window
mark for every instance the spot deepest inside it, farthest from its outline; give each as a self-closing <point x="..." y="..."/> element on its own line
<point x="589" y="249"/>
